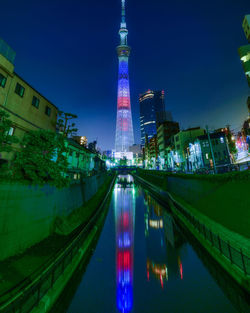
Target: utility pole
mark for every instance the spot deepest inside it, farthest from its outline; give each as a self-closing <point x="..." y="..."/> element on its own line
<point x="211" y="149"/>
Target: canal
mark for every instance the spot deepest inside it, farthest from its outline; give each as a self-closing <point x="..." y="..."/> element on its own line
<point x="146" y="262"/>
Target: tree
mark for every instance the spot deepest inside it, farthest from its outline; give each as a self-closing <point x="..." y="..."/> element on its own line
<point x="231" y="142"/>
<point x="42" y="159"/>
<point x="64" y="123"/>
<point x="6" y="139"/>
<point x="123" y="161"/>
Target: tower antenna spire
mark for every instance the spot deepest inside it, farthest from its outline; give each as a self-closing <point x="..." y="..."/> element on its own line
<point x="123" y="23"/>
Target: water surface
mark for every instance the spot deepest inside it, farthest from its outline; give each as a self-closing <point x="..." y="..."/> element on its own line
<point x="145" y="262"/>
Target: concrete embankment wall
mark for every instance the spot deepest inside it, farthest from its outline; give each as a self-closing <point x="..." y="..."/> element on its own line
<point x="223" y="198"/>
<point x="28" y="213"/>
<point x="210" y="208"/>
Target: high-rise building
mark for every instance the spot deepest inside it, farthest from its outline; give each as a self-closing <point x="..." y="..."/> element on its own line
<point x="246" y="26"/>
<point x="152" y="108"/>
<point x="244" y="51"/>
<point x="124" y="128"/>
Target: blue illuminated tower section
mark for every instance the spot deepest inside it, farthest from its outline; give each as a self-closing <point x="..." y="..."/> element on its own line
<point x="124" y="137"/>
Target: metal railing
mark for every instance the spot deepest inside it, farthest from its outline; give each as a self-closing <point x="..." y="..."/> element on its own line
<point x="225" y="247"/>
<point x="234" y="255"/>
<point x="26" y="297"/>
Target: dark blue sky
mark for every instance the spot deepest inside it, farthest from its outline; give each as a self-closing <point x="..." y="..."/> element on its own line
<point x="66" y="50"/>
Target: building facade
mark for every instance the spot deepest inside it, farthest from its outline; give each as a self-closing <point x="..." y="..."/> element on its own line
<point x="151" y="153"/>
<point x="164" y="133"/>
<point x="177" y="158"/>
<point x="151" y="104"/>
<point x="27" y="108"/>
<point x="244" y="51"/>
<point x="124" y="137"/>
<point x="246" y="26"/>
<point x="200" y="155"/>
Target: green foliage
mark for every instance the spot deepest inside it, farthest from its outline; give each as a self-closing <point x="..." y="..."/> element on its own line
<point x="41" y="159"/>
<point x="123" y="161"/>
<point x="231" y="143"/>
<point x="5" y="139"/>
<point x="64" y="125"/>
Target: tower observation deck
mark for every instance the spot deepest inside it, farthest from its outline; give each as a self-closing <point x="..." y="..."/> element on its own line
<point x="124" y="127"/>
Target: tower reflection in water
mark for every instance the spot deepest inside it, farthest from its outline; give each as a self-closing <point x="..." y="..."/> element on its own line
<point x="124" y="223"/>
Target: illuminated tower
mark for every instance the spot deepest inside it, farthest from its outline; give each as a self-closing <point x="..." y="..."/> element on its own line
<point x="124" y="137"/>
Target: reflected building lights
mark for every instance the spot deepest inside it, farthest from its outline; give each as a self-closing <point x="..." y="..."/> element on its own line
<point x="162" y="240"/>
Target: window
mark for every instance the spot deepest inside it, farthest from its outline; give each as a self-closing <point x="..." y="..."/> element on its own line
<point x="177" y="138"/>
<point x="207" y="156"/>
<point x="19" y="90"/>
<point x="48" y="111"/>
<point x="2" y="80"/>
<point x="221" y="139"/>
<point x="35" y="102"/>
<point x="11" y="131"/>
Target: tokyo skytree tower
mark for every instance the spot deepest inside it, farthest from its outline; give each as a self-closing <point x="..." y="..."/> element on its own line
<point x="124" y="137"/>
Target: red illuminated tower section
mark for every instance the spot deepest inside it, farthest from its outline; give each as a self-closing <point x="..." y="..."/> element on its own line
<point x="124" y="128"/>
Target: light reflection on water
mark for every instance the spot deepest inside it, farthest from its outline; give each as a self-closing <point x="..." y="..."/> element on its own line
<point x="124" y="224"/>
<point x="146" y="263"/>
<point x="163" y="242"/>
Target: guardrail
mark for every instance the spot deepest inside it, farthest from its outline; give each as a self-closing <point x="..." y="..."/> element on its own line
<point x="27" y="294"/>
<point x="234" y="255"/>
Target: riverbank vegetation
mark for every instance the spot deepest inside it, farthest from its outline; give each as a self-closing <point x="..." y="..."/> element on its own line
<point x="40" y="157"/>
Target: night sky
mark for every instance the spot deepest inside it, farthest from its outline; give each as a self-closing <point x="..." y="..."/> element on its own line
<point x="66" y="50"/>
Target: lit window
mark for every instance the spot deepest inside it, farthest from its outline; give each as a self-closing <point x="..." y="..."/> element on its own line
<point x="48" y="111"/>
<point x="19" y="90"/>
<point x="207" y="156"/>
<point x="11" y="131"/>
<point x="221" y="139"/>
<point x="2" y="80"/>
<point x="35" y="102"/>
<point x="246" y="58"/>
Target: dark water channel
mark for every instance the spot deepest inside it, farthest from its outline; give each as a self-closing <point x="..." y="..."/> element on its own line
<point x="146" y="262"/>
